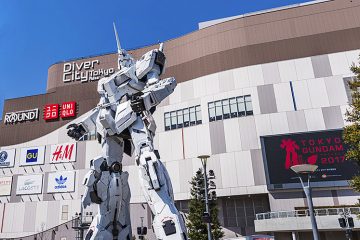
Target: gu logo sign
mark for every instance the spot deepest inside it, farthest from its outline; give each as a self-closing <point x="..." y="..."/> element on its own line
<point x="61" y="153"/>
<point x="32" y="156"/>
<point x="61" y="182"/>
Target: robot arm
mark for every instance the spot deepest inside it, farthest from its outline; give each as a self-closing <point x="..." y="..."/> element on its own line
<point x="153" y="95"/>
<point x="85" y="126"/>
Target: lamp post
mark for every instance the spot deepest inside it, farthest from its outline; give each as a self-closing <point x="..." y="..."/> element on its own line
<point x="307" y="170"/>
<point x="204" y="159"/>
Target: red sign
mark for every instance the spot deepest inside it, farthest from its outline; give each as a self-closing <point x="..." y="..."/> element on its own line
<point x="63" y="153"/>
<point x="51" y="111"/>
<point x="68" y="109"/>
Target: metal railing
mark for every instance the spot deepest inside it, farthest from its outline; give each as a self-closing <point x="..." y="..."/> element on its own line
<point x="306" y="213"/>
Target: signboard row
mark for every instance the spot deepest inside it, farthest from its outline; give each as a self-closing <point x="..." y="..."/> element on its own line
<point x="59" y="153"/>
<point x="58" y="182"/>
<point x="50" y="112"/>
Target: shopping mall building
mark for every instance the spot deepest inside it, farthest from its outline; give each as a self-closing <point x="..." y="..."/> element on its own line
<point x="258" y="92"/>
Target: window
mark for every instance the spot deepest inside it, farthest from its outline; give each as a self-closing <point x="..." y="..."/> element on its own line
<point x="167" y="122"/>
<point x="173" y="120"/>
<point x="211" y="111"/>
<point x="183" y="118"/>
<point x="230" y="108"/>
<point x="64" y="212"/>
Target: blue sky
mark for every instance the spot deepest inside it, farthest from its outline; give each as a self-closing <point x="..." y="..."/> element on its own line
<point x="35" y="34"/>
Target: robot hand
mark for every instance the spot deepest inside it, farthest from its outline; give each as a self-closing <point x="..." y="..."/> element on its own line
<point x="76" y="131"/>
<point x="137" y="104"/>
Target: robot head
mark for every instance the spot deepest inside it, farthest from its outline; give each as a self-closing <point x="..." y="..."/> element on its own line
<point x="124" y="59"/>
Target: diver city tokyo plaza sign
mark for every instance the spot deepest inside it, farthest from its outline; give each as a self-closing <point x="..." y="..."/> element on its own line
<point x="29" y="184"/>
<point x="61" y="182"/>
<point x="84" y="71"/>
<point x="7" y="158"/>
<point x="21" y="116"/>
<point x="32" y="156"/>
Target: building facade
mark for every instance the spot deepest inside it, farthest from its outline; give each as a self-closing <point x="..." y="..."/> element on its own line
<point x="243" y="80"/>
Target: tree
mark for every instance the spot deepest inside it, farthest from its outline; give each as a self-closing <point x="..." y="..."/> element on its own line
<point x="196" y="227"/>
<point x="352" y="131"/>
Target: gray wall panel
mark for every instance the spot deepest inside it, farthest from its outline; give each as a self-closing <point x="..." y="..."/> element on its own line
<point x="47" y="196"/>
<point x="258" y="167"/>
<point x="80" y="155"/>
<point x="321" y="66"/>
<point x="186" y="173"/>
<point x="187" y="91"/>
<point x="248" y="134"/>
<point x="29" y="216"/>
<point x="297" y="121"/>
<point x="53" y="212"/>
<point x="226" y="81"/>
<point x="333" y="117"/>
<point x="217" y="137"/>
<point x="267" y="100"/>
<point x="271" y="73"/>
<point x="13" y="197"/>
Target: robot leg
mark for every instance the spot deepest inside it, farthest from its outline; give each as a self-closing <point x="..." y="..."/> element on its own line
<point x="168" y="224"/>
<point x="111" y="192"/>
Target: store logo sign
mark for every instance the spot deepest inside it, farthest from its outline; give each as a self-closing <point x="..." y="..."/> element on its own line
<point x="29" y="184"/>
<point x="3" y="156"/>
<point x="61" y="153"/>
<point x="84" y="71"/>
<point x="51" y="112"/>
<point x="32" y="155"/>
<point x="68" y="109"/>
<point x="61" y="182"/>
<point x="7" y="158"/>
<point x="21" y="116"/>
<point x="5" y="186"/>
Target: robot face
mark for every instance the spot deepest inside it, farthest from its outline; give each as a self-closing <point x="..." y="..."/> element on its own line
<point x="124" y="59"/>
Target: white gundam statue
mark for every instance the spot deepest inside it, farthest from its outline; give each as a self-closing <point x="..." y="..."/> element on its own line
<point x="123" y="123"/>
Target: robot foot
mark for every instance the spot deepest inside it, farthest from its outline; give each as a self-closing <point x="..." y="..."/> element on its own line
<point x="100" y="233"/>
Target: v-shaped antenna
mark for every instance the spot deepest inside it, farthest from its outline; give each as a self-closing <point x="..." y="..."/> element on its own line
<point x="117" y="39"/>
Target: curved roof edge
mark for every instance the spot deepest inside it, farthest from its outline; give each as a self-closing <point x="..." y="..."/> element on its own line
<point x="221" y="20"/>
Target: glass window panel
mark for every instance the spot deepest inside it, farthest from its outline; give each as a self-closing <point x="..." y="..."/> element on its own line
<point x="218" y="110"/>
<point x="180" y="119"/>
<point x="186" y="117"/>
<point x="198" y="115"/>
<point x="173" y="120"/>
<point x="233" y="107"/>
<point x="211" y="112"/>
<point x="226" y="108"/>
<point x="241" y="106"/>
<point x="167" y="122"/>
<point x="248" y="104"/>
<point x="192" y="116"/>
